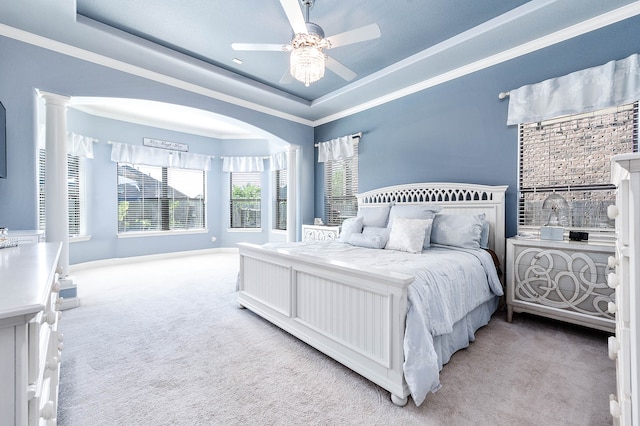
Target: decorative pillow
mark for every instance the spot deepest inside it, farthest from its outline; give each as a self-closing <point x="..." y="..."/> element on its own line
<point x="374" y="230"/>
<point x="408" y="234"/>
<point x="375" y="241"/>
<point x="350" y="226"/>
<point x="484" y="234"/>
<point x="375" y="216"/>
<point x="458" y="230"/>
<point x="413" y="211"/>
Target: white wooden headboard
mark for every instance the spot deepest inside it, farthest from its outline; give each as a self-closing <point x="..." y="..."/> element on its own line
<point x="454" y="198"/>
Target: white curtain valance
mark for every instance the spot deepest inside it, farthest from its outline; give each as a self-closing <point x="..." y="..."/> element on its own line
<point x="78" y="145"/>
<point x="242" y="164"/>
<point x="337" y="148"/>
<point x="81" y="146"/>
<point x="279" y="161"/>
<point x="614" y="83"/>
<point x="136" y="154"/>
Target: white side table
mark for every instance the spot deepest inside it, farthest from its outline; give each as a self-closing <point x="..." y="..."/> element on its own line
<point x="563" y="280"/>
<point x="27" y="236"/>
<point x="319" y="232"/>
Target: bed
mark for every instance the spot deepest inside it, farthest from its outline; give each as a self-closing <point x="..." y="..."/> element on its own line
<point x="375" y="316"/>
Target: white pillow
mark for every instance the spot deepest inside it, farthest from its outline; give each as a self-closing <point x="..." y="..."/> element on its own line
<point x="375" y="216"/>
<point x="353" y="225"/>
<point x="408" y="234"/>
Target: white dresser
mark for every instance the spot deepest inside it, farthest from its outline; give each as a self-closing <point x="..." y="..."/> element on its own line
<point x="623" y="348"/>
<point x="564" y="280"/>
<point x="27" y="236"/>
<point x="30" y="342"/>
<point x="320" y="232"/>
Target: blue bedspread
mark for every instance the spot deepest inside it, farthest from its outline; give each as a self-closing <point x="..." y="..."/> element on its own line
<point x="449" y="283"/>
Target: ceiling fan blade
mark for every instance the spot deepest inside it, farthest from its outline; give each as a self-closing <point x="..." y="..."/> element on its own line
<point x="368" y="32"/>
<point x="294" y="15"/>
<point x="339" y="69"/>
<point x="259" y="46"/>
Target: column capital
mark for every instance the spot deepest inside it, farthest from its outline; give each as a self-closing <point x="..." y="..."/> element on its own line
<point x="53" y="98"/>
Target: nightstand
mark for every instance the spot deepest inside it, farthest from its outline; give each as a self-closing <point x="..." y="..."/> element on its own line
<point x="563" y="280"/>
<point x="320" y="232"/>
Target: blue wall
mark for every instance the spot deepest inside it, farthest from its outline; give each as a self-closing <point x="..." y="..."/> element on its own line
<point x="452" y="132"/>
<point x="25" y="68"/>
<point x="457" y="132"/>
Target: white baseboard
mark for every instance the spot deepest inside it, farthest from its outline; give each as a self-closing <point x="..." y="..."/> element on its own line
<point x="134" y="259"/>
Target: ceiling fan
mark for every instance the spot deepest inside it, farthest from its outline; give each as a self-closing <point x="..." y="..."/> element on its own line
<point x="307" y="59"/>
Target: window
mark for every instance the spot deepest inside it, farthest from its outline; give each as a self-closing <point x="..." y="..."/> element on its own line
<point x="280" y="200"/>
<point x="153" y="198"/>
<point x="75" y="176"/>
<point x="571" y="156"/>
<point x="341" y="188"/>
<point x="245" y="206"/>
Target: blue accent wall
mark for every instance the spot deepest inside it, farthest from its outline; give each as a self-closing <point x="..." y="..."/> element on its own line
<point x="456" y="131"/>
<point x="25" y="68"/>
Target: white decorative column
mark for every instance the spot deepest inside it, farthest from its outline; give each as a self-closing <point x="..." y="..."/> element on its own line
<point x="56" y="189"/>
<point x="292" y="191"/>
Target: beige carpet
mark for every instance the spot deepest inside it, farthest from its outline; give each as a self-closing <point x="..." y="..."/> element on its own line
<point x="163" y="342"/>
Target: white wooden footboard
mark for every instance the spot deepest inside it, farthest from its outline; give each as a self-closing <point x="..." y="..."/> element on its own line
<point x="355" y="316"/>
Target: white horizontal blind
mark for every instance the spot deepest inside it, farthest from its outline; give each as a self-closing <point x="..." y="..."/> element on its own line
<point x="280" y="199"/>
<point x="245" y="207"/>
<point x="74" y="186"/>
<point x="571" y="156"/>
<point x="153" y="198"/>
<point x="341" y="188"/>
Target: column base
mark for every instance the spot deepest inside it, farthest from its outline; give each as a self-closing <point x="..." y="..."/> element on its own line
<point x="68" y="293"/>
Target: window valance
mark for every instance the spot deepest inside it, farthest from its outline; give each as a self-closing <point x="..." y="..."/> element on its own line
<point x="243" y="164"/>
<point x="337" y="148"/>
<point x="78" y="145"/>
<point x="136" y="154"/>
<point x="611" y="84"/>
<point x="279" y="161"/>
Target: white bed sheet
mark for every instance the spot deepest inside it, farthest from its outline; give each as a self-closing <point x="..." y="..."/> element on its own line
<point x="449" y="284"/>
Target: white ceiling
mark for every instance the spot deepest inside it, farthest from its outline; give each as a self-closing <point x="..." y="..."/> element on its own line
<point x="187" y="44"/>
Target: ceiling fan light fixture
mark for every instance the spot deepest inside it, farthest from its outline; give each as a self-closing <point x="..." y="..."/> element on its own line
<point x="307" y="61"/>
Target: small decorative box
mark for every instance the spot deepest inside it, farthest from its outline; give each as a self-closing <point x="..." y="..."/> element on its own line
<point x="555" y="233"/>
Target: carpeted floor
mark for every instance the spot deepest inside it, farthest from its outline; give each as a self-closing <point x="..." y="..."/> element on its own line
<point x="163" y="342"/>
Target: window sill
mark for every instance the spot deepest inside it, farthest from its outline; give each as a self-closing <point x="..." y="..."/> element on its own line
<point x="139" y="234"/>
<point x="244" y="229"/>
<point x="79" y="238"/>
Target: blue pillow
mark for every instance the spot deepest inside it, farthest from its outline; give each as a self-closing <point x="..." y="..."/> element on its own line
<point x="413" y="211"/>
<point x="375" y="216"/>
<point x="353" y="225"/>
<point x="458" y="230"/>
<point x="484" y="235"/>
<point x="375" y="241"/>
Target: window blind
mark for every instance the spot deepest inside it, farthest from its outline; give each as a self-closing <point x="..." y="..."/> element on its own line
<point x="74" y="188"/>
<point x="571" y="156"/>
<point x="341" y="188"/>
<point x="280" y="200"/>
<point x="153" y="198"/>
<point x="245" y="200"/>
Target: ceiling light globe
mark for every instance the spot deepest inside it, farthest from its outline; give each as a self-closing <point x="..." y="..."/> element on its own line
<point x="307" y="64"/>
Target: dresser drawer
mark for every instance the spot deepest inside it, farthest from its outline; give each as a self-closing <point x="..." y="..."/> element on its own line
<point x="563" y="279"/>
